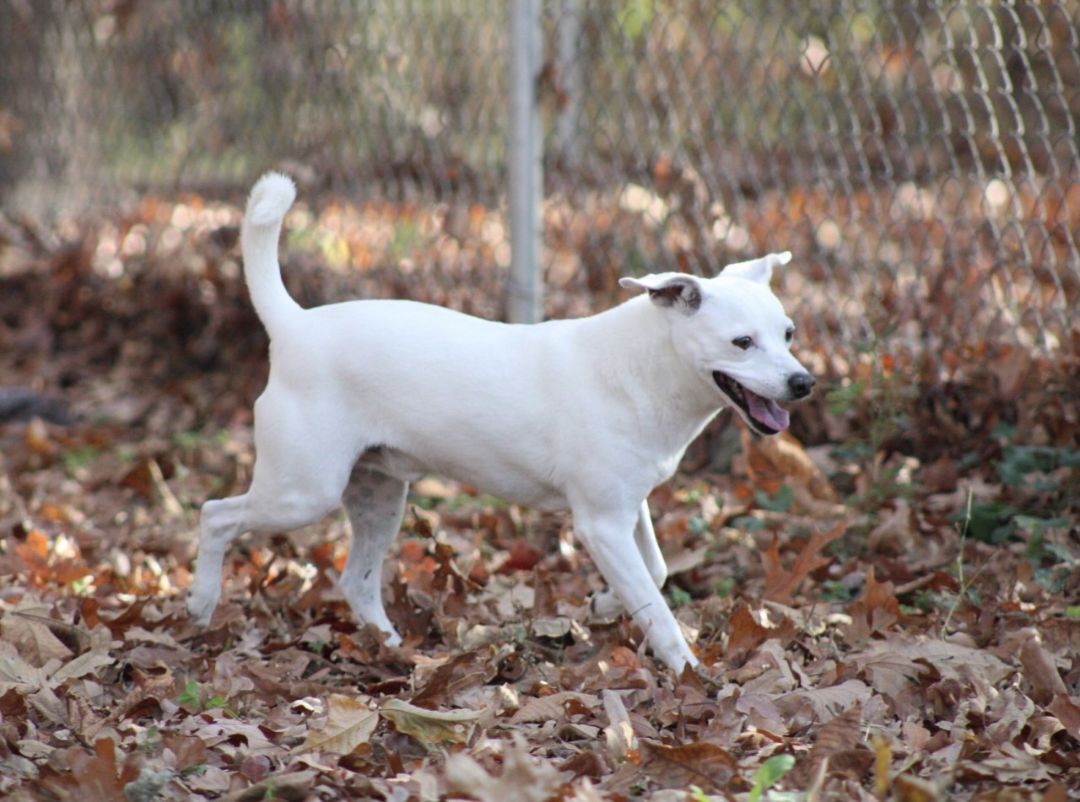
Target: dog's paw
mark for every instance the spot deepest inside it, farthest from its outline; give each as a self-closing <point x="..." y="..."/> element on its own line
<point x="201" y="609"/>
<point x="674" y="652"/>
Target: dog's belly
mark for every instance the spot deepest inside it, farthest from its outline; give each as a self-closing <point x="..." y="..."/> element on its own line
<point x="507" y="482"/>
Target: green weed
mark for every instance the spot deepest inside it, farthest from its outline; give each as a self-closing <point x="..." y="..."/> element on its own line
<point x="770" y="772"/>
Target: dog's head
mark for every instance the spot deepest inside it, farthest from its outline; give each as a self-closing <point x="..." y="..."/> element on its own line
<point x="733" y="331"/>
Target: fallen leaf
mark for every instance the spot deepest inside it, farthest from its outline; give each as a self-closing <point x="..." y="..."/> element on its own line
<point x="349" y="723"/>
<point x="746" y="634"/>
<point x="26" y="629"/>
<point x="622" y="743"/>
<point x="783" y="459"/>
<point x="1067" y="711"/>
<point x="826" y="703"/>
<point x="1039" y="668"/>
<point x="553" y="706"/>
<point x="875" y="610"/>
<point x="838" y="739"/>
<point x="912" y="789"/>
<point x="231" y="735"/>
<point x="466" y="670"/>
<point x="524" y="778"/>
<point x="891" y="666"/>
<point x="895" y="530"/>
<point x="781" y="584"/>
<point x="702" y="764"/>
<point x="99" y="776"/>
<point x="523" y="557"/>
<point x="293" y="786"/>
<point x="882" y="762"/>
<point x="431" y="727"/>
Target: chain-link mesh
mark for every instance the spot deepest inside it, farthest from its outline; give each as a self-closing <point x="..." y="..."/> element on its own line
<point x="207" y="93"/>
<point x="921" y="159"/>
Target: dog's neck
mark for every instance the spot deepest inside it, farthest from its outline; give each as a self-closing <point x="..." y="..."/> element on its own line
<point x="631" y="347"/>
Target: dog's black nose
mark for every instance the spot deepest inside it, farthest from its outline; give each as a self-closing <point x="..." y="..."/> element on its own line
<point x="800" y="384"/>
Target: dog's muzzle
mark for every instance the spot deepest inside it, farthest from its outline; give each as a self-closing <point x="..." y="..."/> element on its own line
<point x="763" y="415"/>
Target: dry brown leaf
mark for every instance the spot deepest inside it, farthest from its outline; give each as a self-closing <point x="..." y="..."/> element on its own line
<point x="912" y="789"/>
<point x="761" y="712"/>
<point x="826" y="703"/>
<point x="37" y="439"/>
<point x="466" y="670"/>
<point x="86" y="663"/>
<point x="349" y="723"/>
<point x="895" y="531"/>
<point x="99" y="776"/>
<point x="882" y="762"/>
<point x="839" y="733"/>
<point x="887" y="667"/>
<point x="1008" y="763"/>
<point x="622" y="743"/>
<point x="892" y="666"/>
<point x="783" y="458"/>
<point x="292" y="786"/>
<point x="1067" y="711"/>
<point x="524" y="778"/>
<point x="233" y="736"/>
<point x="746" y="634"/>
<point x="30" y="683"/>
<point x="839" y="736"/>
<point x="687" y="559"/>
<point x="781" y="584"/>
<point x="26" y="628"/>
<point x="703" y="764"/>
<point x="552" y="707"/>
<point x="1039" y="668"/>
<point x="430" y="727"/>
<point x="875" y="610"/>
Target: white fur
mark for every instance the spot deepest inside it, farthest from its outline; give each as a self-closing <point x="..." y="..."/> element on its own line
<point x="588" y="414"/>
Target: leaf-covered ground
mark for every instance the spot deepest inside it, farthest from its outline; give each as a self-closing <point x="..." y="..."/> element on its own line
<point x="889" y="609"/>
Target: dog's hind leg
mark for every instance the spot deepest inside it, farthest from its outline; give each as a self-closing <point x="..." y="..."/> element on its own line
<point x="607" y="605"/>
<point x="375" y="503"/>
<point x="222" y="521"/>
<point x="298" y="478"/>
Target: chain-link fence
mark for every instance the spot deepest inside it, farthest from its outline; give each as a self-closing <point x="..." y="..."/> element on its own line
<point x="922" y="159"/>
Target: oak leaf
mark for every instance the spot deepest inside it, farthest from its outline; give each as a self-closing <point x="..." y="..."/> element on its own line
<point x="780" y="585"/>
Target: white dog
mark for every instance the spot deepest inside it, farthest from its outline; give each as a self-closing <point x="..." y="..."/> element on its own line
<point x="588" y="414"/>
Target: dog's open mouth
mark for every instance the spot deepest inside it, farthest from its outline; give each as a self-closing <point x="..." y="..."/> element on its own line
<point x="763" y="414"/>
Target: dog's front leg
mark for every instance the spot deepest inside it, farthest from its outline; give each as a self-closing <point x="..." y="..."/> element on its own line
<point x="608" y="535"/>
<point x="606" y="605"/>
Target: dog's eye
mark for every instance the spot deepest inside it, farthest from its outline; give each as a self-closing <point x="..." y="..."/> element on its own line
<point x="742" y="342"/>
<point x="789" y="333"/>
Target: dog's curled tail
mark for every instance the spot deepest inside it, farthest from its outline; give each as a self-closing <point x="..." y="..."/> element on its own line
<point x="270" y="199"/>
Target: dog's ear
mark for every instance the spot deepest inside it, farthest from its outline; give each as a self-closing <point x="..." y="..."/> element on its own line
<point x="678" y="290"/>
<point x="759" y="270"/>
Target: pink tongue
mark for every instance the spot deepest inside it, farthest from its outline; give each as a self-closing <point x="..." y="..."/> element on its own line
<point x="767" y="412"/>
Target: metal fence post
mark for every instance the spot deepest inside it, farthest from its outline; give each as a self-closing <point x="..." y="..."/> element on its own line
<point x="525" y="290"/>
<point x="568" y="122"/>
